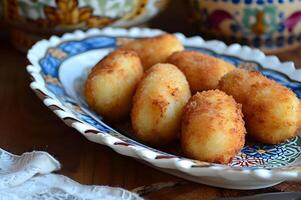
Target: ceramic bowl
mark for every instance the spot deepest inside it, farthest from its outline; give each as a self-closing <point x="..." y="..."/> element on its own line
<point x="31" y="20"/>
<point x="58" y="69"/>
<point x="267" y="24"/>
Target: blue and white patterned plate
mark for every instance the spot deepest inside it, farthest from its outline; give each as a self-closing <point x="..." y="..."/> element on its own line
<point x="59" y="67"/>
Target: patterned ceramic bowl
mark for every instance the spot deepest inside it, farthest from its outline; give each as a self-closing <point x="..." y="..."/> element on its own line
<point x="266" y="24"/>
<point x="34" y="19"/>
<point x="58" y="68"/>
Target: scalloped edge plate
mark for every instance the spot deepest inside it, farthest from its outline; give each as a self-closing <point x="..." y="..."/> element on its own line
<point x="207" y="173"/>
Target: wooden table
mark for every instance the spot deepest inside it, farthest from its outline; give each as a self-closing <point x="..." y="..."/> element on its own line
<point x="26" y="125"/>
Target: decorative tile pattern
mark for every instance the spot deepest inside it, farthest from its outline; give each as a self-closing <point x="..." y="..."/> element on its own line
<point x="269" y="156"/>
<point x="260" y="23"/>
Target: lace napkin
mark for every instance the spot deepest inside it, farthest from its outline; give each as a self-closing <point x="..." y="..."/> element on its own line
<point x="29" y="177"/>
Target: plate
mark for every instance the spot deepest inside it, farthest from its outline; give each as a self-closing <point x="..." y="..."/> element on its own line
<point x="58" y="69"/>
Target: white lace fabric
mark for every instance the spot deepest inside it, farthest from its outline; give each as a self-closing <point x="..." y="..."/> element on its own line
<point x="29" y="177"/>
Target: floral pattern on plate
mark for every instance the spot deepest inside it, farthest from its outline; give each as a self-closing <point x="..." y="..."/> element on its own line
<point x="261" y="155"/>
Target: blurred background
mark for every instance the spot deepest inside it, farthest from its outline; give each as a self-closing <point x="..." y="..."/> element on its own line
<point x="271" y="25"/>
<point x="27" y="21"/>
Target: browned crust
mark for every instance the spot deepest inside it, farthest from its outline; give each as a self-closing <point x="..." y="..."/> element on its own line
<point x="154" y="50"/>
<point x="199" y="104"/>
<point x="111" y="64"/>
<point x="202" y="71"/>
<point x="262" y="121"/>
<point x="159" y="105"/>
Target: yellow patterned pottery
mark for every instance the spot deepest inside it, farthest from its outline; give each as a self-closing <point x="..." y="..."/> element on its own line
<point x="34" y="19"/>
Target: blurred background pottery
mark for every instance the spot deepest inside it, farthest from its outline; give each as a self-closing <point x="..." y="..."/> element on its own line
<point x="271" y="25"/>
<point x="32" y="20"/>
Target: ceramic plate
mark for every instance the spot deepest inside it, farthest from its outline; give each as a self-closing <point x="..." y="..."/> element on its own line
<point x="59" y="67"/>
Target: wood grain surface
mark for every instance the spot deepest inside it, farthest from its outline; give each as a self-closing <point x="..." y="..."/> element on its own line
<point x="26" y="125"/>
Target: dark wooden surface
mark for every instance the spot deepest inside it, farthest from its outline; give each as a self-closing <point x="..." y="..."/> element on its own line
<point x="26" y="125"/>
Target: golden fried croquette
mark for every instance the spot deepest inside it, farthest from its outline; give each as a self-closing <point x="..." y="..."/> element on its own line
<point x="158" y="103"/>
<point x="110" y="85"/>
<point x="202" y="71"/>
<point x="272" y="111"/>
<point x="212" y="127"/>
<point x="155" y="49"/>
<point x="238" y="83"/>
